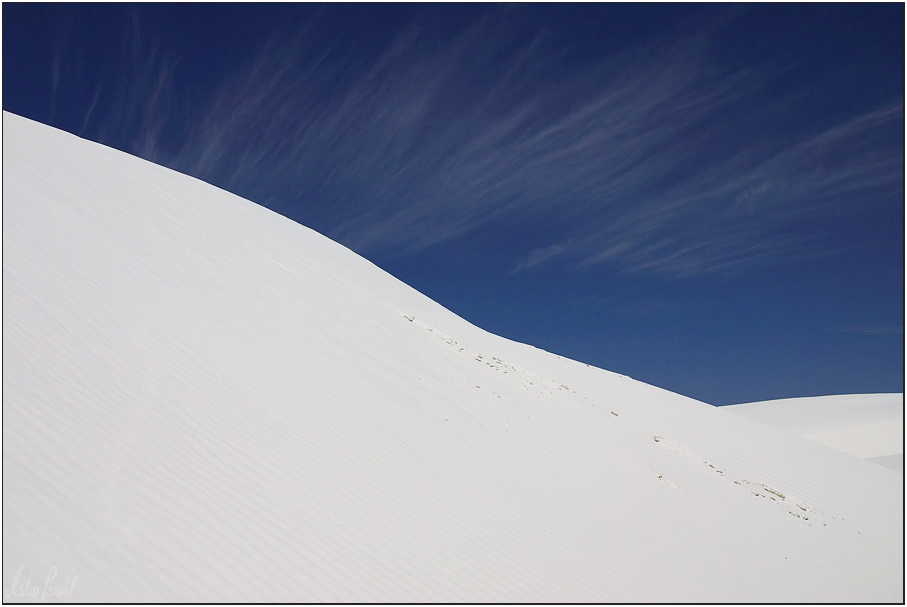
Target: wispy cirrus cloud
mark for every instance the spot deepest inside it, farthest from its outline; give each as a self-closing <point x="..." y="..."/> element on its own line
<point x="633" y="156"/>
<point x="422" y="150"/>
<point x="738" y="211"/>
<point x="141" y="107"/>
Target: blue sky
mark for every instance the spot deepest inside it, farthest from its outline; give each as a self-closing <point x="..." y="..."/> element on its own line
<point x="708" y="198"/>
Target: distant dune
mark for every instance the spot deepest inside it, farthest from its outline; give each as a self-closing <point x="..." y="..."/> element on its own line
<point x="870" y="426"/>
<point x="204" y="401"/>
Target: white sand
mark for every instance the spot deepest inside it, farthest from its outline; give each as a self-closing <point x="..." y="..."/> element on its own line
<point x="870" y="426"/>
<point x="204" y="401"/>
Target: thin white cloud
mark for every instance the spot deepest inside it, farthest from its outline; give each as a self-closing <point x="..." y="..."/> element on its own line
<point x="539" y="256"/>
<point x="94" y="103"/>
<point x="54" y="83"/>
<point x="429" y="141"/>
<point x="730" y="215"/>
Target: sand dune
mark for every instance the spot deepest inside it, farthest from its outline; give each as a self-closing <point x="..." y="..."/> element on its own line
<point x="870" y="426"/>
<point x="204" y="401"/>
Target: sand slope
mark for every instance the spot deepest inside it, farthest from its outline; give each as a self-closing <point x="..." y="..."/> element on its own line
<point x="204" y="401"/>
<point x="870" y="426"/>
